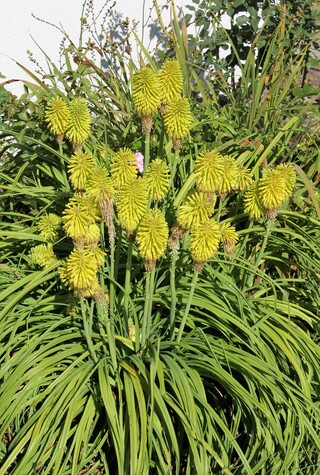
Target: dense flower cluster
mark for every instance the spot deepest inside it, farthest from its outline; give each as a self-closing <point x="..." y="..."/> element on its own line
<point x="116" y="196"/>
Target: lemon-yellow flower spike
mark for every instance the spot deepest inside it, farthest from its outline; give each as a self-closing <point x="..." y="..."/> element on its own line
<point x="229" y="177"/>
<point x="123" y="167"/>
<point x="288" y="173"/>
<point x="76" y="221"/>
<point x="177" y="120"/>
<point x="252" y="204"/>
<point x="244" y="178"/>
<point x="209" y="170"/>
<point x="80" y="167"/>
<point x="49" y="225"/>
<point x="42" y="255"/>
<point x="158" y="179"/>
<point x="272" y="189"/>
<point x="196" y="209"/>
<point x="80" y="269"/>
<point x="100" y="185"/>
<point x="171" y="81"/>
<point x="92" y="236"/>
<point x="57" y="116"/>
<point x="152" y="237"/>
<point x="204" y="241"/>
<point x="88" y="203"/>
<point x="78" y="126"/>
<point x="132" y="203"/>
<point x="145" y="91"/>
<point x="229" y="237"/>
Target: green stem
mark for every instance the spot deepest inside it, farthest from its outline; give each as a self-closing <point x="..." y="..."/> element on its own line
<point x="63" y="167"/>
<point x="146" y="323"/>
<point x="219" y="209"/>
<point x="146" y="152"/>
<point x="174" y="166"/>
<point x="118" y="254"/>
<point x="261" y="252"/>
<point x="87" y="326"/>
<point x="189" y="302"/>
<point x="127" y="284"/>
<point x="110" y="321"/>
<point x="173" y="293"/>
<point x="151" y="290"/>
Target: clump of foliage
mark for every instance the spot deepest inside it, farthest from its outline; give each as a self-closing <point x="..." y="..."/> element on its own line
<point x="159" y="266"/>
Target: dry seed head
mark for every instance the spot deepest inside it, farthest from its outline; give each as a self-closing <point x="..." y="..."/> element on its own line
<point x="123" y="167"/>
<point x="158" y="179"/>
<point x="204" y="241"/>
<point x="132" y="204"/>
<point x="152" y="236"/>
<point x="208" y="170"/>
<point x="177" y="120"/>
<point x="176" y="233"/>
<point x="57" y="116"/>
<point x="49" y="225"/>
<point x="80" y="167"/>
<point x="145" y="92"/>
<point x="78" y="126"/>
<point x="171" y="81"/>
<point x="196" y="209"/>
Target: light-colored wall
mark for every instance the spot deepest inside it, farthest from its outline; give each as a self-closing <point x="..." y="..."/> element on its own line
<point x="17" y="25"/>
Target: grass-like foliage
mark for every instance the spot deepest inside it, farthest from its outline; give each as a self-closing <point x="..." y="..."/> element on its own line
<point x="159" y="274"/>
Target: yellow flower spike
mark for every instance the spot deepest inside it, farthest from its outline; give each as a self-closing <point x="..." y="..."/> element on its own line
<point x="57" y="116"/>
<point x="123" y="167"/>
<point x="204" y="241"/>
<point x="132" y="204"/>
<point x="252" y="204"/>
<point x="78" y="126"/>
<point x="152" y="237"/>
<point x="229" y="237"/>
<point x="98" y="255"/>
<point x="42" y="255"/>
<point x="288" y="172"/>
<point x="80" y="269"/>
<point x="88" y="203"/>
<point x="208" y="170"/>
<point x="92" y="236"/>
<point x="145" y="92"/>
<point x="100" y="186"/>
<point x="93" y="290"/>
<point x="196" y="209"/>
<point x="158" y="179"/>
<point x="272" y="189"/>
<point x="244" y="179"/>
<point x="76" y="221"/>
<point x="177" y="120"/>
<point x="171" y="81"/>
<point x="80" y="167"/>
<point x="49" y="225"/>
<point x="229" y="177"/>
<point x="101" y="189"/>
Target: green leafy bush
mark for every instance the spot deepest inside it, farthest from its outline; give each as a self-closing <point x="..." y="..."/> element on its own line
<point x="120" y="354"/>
